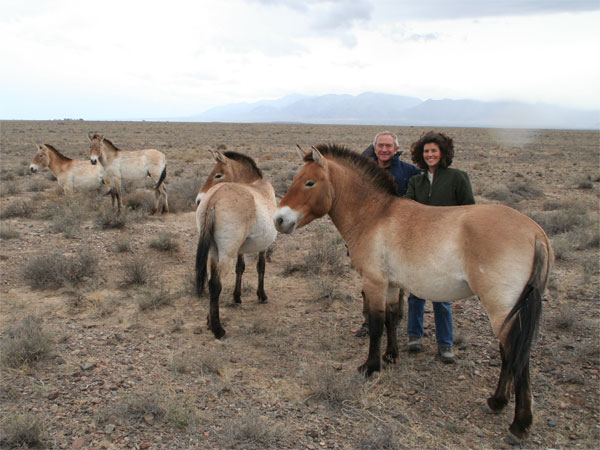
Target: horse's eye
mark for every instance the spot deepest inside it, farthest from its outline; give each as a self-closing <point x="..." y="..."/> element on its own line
<point x="219" y="175"/>
<point x="309" y="183"/>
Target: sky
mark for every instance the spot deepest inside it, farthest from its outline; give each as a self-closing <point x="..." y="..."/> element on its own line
<point x="145" y="59"/>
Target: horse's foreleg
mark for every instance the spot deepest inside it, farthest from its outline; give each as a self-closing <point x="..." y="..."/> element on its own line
<point x="156" y="200"/>
<point x="501" y="397"/>
<point x="392" y="317"/>
<point x="376" y="314"/>
<point x="401" y="304"/>
<point x="260" y="268"/>
<point x="523" y="413"/>
<point x="240" y="266"/>
<point x="214" y="289"/>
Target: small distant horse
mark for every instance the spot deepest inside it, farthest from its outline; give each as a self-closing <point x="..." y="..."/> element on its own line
<point x="234" y="216"/>
<point x="437" y="253"/>
<point x="130" y="165"/>
<point x="71" y="174"/>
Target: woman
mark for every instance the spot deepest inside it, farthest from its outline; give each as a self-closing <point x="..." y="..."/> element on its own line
<point x="438" y="185"/>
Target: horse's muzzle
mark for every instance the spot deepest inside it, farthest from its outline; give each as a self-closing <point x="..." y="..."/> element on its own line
<point x="285" y="220"/>
<point x="93" y="161"/>
<point x="33" y="169"/>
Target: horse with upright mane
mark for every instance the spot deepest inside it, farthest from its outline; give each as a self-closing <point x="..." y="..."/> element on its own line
<point x="437" y="253"/>
<point x="71" y="174"/>
<point x="234" y="216"/>
<point x="130" y="165"/>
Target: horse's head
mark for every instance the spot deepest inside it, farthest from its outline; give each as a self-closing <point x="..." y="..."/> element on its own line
<point x="95" y="147"/>
<point x="222" y="172"/>
<point x="41" y="159"/>
<point x="309" y="197"/>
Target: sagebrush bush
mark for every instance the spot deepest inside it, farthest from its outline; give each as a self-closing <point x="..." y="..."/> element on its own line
<point x="17" y="209"/>
<point x="53" y="270"/>
<point x="334" y="388"/>
<point x="165" y="243"/>
<point x="155" y="299"/>
<point x="183" y="192"/>
<point x="22" y="431"/>
<point x="251" y="430"/>
<point x="107" y="218"/>
<point x="137" y="271"/>
<point x="38" y="185"/>
<point x="140" y="200"/>
<point x="25" y="343"/>
<point x="7" y="231"/>
<point x="568" y="218"/>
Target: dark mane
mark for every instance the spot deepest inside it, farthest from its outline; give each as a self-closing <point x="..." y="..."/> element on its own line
<point x="381" y="179"/>
<point x="245" y="160"/>
<point x="111" y="144"/>
<point x="58" y="154"/>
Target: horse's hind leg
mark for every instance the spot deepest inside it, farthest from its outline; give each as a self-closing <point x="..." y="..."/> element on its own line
<point x="156" y="200"/>
<point x="240" y="266"/>
<point x="165" y="196"/>
<point x="214" y="289"/>
<point x="260" y="268"/>
<point x="500" y="399"/>
<point x="523" y="413"/>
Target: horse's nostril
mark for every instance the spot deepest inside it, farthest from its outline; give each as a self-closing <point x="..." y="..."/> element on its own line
<point x="278" y="221"/>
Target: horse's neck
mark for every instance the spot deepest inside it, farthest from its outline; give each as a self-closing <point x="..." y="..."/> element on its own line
<point x="57" y="164"/>
<point x="109" y="152"/>
<point x="265" y="189"/>
<point x="356" y="205"/>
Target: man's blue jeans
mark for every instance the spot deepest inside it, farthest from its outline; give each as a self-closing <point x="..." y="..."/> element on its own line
<point x="442" y="312"/>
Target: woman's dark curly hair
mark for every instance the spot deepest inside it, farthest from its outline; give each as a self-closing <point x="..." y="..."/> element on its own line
<point x="445" y="143"/>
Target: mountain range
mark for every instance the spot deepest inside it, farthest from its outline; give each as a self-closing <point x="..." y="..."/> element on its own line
<point x="387" y="109"/>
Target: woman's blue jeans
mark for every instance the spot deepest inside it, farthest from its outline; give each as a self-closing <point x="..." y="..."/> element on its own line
<point x="442" y="312"/>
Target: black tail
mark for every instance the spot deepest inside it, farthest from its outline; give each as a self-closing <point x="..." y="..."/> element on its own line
<point x="527" y="313"/>
<point x="205" y="241"/>
<point x="163" y="175"/>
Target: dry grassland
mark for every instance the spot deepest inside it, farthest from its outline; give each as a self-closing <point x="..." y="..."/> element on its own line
<point x="104" y="343"/>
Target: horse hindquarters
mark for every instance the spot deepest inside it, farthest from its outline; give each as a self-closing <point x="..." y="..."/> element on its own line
<point x="524" y="319"/>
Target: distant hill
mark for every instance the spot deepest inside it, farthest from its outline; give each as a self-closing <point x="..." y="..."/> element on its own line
<point x="386" y="109"/>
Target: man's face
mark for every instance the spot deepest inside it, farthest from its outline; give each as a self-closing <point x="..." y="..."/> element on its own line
<point x="385" y="148"/>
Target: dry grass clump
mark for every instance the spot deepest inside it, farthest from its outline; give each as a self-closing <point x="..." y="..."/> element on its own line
<point x="165" y="243"/>
<point x="37" y="185"/>
<point x="137" y="271"/>
<point x="107" y="218"/>
<point x="22" y="431"/>
<point x="183" y="192"/>
<point x="334" y="388"/>
<point x="17" y="209"/>
<point x="206" y="362"/>
<point x="512" y="194"/>
<point x="53" y="270"/>
<point x="571" y="216"/>
<point x="141" y="200"/>
<point x="565" y="319"/>
<point x="7" y="231"/>
<point x="7" y="189"/>
<point x="381" y="439"/>
<point x="251" y="431"/>
<point x="25" y="343"/>
<point x="326" y="256"/>
<point x="155" y="299"/>
<point x="123" y="246"/>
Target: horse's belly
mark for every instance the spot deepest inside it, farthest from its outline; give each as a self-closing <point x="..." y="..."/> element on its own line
<point x="133" y="172"/>
<point x="446" y="291"/>
<point x="87" y="182"/>
<point x="263" y="233"/>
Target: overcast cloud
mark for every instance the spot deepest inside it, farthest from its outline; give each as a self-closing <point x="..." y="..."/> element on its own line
<point x="154" y="59"/>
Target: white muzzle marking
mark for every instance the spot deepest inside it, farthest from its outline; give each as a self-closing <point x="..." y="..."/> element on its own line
<point x="199" y="198"/>
<point x="33" y="168"/>
<point x="94" y="160"/>
<point x="286" y="219"/>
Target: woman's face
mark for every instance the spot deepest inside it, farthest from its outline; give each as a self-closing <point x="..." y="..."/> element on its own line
<point x="432" y="155"/>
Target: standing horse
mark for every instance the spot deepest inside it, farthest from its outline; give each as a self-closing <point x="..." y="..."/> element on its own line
<point x="71" y="174"/>
<point x="130" y="165"/>
<point x="437" y="253"/>
<point x="234" y="216"/>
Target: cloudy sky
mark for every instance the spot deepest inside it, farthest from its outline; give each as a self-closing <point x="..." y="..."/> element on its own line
<point x="135" y="59"/>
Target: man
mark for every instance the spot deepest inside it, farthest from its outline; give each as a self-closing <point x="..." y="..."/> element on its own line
<point x="385" y="151"/>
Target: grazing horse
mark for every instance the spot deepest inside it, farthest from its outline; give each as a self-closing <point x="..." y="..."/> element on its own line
<point x="130" y="165"/>
<point x="437" y="253"/>
<point x="234" y="216"/>
<point x="71" y="174"/>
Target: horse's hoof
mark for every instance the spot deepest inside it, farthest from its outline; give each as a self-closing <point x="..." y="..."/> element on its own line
<point x="263" y="300"/>
<point x="367" y="371"/>
<point x="495" y="405"/>
<point x="511" y="439"/>
<point x="219" y="333"/>
<point x="515" y="435"/>
<point x="390" y="359"/>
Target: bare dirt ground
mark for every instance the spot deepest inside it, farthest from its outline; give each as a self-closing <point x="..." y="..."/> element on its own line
<point x="122" y="374"/>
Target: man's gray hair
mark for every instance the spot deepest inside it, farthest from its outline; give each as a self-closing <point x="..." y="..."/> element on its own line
<point x="386" y="133"/>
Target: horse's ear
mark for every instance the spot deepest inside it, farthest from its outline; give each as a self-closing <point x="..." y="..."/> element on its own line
<point x="39" y="147"/>
<point x="301" y="153"/>
<point x="213" y="154"/>
<point x="220" y="157"/>
<point x="318" y="157"/>
<point x="90" y="136"/>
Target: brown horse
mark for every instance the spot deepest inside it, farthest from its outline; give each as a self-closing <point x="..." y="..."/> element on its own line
<point x="130" y="165"/>
<point x="437" y="253"/>
<point x="234" y="216"/>
<point x="71" y="174"/>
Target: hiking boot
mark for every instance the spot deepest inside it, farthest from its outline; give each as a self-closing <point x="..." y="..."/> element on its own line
<point x="446" y="354"/>
<point x="415" y="344"/>
<point x="363" y="330"/>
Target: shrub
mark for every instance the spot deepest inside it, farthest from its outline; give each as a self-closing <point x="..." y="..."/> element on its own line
<point x="123" y="245"/>
<point x="49" y="271"/>
<point x="335" y="389"/>
<point x="17" y="209"/>
<point x="326" y="255"/>
<point x="137" y="271"/>
<point x="563" y="220"/>
<point x="23" y="431"/>
<point x="182" y="194"/>
<point x="37" y="185"/>
<point x="565" y="319"/>
<point x="165" y="243"/>
<point x="140" y="200"/>
<point x="107" y="218"/>
<point x="155" y="299"/>
<point x="381" y="439"/>
<point x="25" y="343"/>
<point x="7" y="231"/>
<point x="251" y="430"/>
